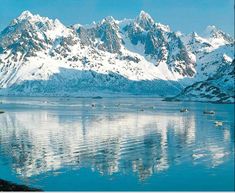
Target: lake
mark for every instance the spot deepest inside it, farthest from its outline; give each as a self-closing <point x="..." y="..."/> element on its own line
<point x="116" y="144"/>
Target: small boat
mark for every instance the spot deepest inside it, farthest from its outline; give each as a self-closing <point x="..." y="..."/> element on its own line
<point x="209" y="112"/>
<point x="1" y="112"/>
<point x="183" y="110"/>
<point x="97" y="97"/>
<point x="141" y="109"/>
<point x="218" y="123"/>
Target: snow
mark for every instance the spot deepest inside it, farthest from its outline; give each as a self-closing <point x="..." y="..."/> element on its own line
<point x="65" y="59"/>
<point x="162" y="27"/>
<point x="215" y="36"/>
<point x="144" y="15"/>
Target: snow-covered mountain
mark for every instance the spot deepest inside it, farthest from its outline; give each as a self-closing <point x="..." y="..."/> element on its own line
<point x="217" y="88"/>
<point x="40" y="56"/>
<point x="215" y="68"/>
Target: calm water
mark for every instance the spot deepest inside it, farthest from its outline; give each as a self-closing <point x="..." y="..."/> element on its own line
<point x="66" y="144"/>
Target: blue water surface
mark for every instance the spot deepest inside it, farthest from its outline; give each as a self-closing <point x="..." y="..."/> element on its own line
<point x="129" y="144"/>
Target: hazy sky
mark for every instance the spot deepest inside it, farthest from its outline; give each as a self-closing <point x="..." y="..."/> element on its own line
<point x="182" y="15"/>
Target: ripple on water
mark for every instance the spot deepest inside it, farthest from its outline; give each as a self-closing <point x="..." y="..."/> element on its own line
<point x="125" y="142"/>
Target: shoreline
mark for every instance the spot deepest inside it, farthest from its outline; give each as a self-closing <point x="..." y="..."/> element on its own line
<point x="9" y="186"/>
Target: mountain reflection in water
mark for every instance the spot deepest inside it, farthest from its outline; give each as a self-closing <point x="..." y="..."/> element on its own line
<point x="34" y="142"/>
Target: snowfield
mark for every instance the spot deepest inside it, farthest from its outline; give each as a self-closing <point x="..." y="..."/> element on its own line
<point x="42" y="57"/>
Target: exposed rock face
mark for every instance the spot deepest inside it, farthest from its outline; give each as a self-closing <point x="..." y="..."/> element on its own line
<point x="40" y="56"/>
<point x="217" y="88"/>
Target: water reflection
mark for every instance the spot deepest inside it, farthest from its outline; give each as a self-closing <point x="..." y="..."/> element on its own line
<point x="36" y="142"/>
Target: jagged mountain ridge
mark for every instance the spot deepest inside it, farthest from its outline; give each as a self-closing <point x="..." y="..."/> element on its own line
<point x="39" y="56"/>
<point x="217" y="88"/>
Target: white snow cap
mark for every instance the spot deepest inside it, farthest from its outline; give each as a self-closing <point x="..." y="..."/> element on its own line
<point x="210" y="29"/>
<point x="25" y="14"/>
<point x="145" y="16"/>
<point x="194" y="34"/>
<point x="108" y="19"/>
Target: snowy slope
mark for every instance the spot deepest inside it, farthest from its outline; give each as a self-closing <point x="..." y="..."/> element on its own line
<point x="215" y="67"/>
<point x="40" y="56"/>
<point x="217" y="88"/>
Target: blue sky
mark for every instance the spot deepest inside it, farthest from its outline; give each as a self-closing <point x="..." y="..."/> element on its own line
<point x="182" y="15"/>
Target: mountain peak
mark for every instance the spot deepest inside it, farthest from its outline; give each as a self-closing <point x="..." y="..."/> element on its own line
<point x="145" y="20"/>
<point x="210" y="29"/>
<point x="37" y="54"/>
<point x="28" y="16"/>
<point x="214" y="33"/>
<point x="108" y="19"/>
<point x="25" y="14"/>
<point x="144" y="15"/>
<point x="194" y="35"/>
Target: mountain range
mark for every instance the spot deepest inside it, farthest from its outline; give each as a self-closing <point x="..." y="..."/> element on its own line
<point x="42" y="57"/>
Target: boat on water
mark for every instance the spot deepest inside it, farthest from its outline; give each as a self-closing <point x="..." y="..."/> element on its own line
<point x="218" y="123"/>
<point x="183" y="110"/>
<point x="209" y="112"/>
<point x="117" y="105"/>
<point x="97" y="97"/>
<point x="1" y="111"/>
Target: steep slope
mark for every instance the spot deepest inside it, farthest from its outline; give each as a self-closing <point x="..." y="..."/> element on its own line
<point x="159" y="45"/>
<point x="217" y="37"/>
<point x="40" y="56"/>
<point x="38" y="51"/>
<point x="26" y="40"/>
<point x="217" y="88"/>
<point x="215" y="67"/>
<point x="142" y="36"/>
